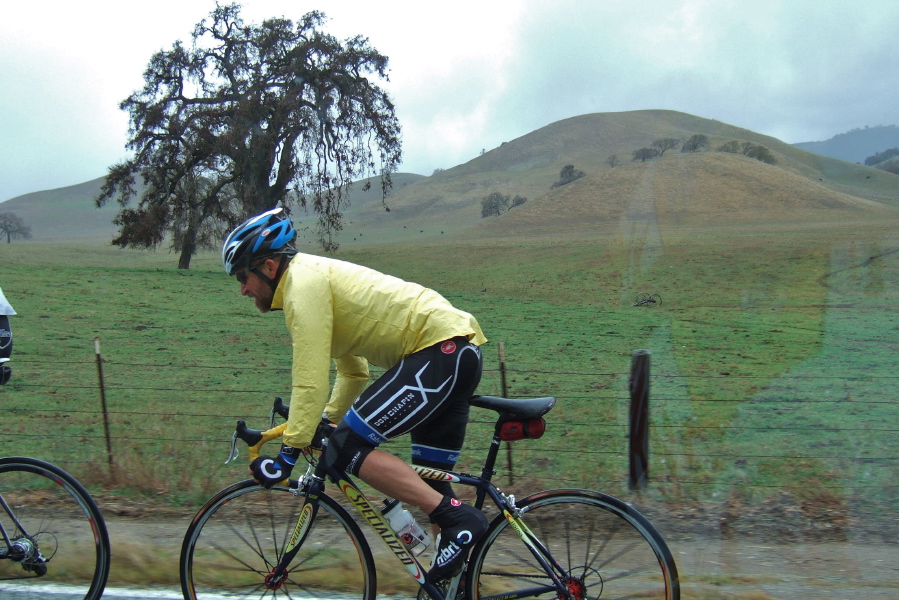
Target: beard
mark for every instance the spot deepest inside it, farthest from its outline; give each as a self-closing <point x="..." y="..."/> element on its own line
<point x="264" y="302"/>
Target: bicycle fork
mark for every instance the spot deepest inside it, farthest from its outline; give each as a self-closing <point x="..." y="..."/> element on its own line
<point x="540" y="552"/>
<point x="313" y="487"/>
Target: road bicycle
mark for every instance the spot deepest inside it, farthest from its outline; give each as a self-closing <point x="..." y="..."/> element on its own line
<point x="295" y="540"/>
<point x="54" y="535"/>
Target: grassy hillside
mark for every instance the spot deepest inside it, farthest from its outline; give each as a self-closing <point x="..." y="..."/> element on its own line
<point x="772" y="404"/>
<point x="686" y="192"/>
<point x="707" y="185"/>
<point x="65" y="213"/>
<point x="689" y="190"/>
<point x="69" y="213"/>
<point x="790" y="326"/>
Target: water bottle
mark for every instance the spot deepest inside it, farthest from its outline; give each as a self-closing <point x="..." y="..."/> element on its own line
<point x="406" y="527"/>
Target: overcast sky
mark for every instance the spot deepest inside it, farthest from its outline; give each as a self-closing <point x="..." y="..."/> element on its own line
<point x="465" y="75"/>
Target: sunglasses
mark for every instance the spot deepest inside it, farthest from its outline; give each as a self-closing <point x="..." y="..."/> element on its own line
<point x="242" y="276"/>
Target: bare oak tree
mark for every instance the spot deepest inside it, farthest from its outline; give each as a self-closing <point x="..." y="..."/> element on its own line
<point x="14" y="227"/>
<point x="247" y="118"/>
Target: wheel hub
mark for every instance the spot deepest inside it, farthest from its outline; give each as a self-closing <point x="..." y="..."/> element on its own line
<point x="274" y="582"/>
<point x="576" y="589"/>
<point x="577" y="586"/>
<point x="25" y="552"/>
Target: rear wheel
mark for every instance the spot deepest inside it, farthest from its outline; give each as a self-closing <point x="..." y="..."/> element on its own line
<point x="57" y="535"/>
<point x="603" y="548"/>
<point x="238" y="536"/>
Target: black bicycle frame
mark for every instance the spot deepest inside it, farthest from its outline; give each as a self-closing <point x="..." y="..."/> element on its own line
<point x="13" y="518"/>
<point x="313" y="487"/>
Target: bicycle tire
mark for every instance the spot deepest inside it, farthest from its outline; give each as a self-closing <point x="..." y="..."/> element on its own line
<point x="237" y="537"/>
<point x="62" y="521"/>
<point x="605" y="548"/>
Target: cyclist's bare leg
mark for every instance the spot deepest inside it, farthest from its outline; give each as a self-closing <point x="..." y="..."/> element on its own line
<point x="462" y="524"/>
<point x="390" y="475"/>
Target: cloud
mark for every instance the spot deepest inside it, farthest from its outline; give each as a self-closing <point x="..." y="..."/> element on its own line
<point x="792" y="70"/>
<point x="469" y="75"/>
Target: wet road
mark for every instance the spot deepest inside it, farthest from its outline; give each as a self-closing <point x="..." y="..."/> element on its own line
<point x="61" y="592"/>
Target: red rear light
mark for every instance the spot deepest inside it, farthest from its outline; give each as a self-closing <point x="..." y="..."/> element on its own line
<point x="519" y="430"/>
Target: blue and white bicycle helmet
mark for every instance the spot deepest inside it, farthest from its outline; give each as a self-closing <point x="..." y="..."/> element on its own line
<point x="263" y="235"/>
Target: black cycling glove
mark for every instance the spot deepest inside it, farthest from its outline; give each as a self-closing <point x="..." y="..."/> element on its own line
<point x="268" y="471"/>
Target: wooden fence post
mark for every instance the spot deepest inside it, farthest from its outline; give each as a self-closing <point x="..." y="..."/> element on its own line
<point x="638" y="433"/>
<point x="103" y="402"/>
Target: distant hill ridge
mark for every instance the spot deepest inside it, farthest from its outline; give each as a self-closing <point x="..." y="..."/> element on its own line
<point x="680" y="190"/>
<point x="856" y="145"/>
<point x="529" y="165"/>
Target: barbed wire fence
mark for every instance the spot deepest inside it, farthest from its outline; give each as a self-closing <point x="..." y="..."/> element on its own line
<point x="195" y="416"/>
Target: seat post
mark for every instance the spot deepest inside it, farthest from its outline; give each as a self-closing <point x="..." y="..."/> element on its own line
<point x="488" y="471"/>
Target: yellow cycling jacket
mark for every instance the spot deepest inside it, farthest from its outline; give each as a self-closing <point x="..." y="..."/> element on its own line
<point x="355" y="316"/>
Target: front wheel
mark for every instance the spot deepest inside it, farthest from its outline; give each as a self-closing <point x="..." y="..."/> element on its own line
<point x="57" y="536"/>
<point x="238" y="536"/>
<point x="602" y="547"/>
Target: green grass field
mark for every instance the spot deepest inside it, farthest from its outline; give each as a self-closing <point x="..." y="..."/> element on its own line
<point x="773" y="360"/>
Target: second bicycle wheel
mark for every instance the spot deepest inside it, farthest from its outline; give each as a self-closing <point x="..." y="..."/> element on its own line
<point x="238" y="536"/>
<point x="57" y="536"/>
<point x="604" y="548"/>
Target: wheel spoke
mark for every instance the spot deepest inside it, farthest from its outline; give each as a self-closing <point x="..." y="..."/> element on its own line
<point x="52" y="520"/>
<point x="603" y="548"/>
<point x="238" y="538"/>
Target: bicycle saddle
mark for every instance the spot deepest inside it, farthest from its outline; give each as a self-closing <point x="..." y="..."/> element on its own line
<point x="514" y="408"/>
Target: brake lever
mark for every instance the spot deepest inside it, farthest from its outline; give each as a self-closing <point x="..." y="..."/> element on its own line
<point x="253" y="438"/>
<point x="234" y="451"/>
<point x="278" y="409"/>
<point x="250" y="436"/>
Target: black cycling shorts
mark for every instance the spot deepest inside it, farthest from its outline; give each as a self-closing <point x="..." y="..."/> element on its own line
<point x="426" y="395"/>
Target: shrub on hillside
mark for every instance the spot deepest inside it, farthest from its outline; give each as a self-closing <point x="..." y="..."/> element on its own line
<point x="695" y="143"/>
<point x="496" y="204"/>
<point x="759" y="152"/>
<point x="644" y="154"/>
<point x="567" y="175"/>
<point x="732" y="147"/>
<point x="756" y="151"/>
<point x="663" y="144"/>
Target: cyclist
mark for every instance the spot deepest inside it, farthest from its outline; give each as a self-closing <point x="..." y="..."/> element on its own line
<point x="5" y="338"/>
<point x="353" y="315"/>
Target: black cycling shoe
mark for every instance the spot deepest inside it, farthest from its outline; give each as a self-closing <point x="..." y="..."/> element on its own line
<point x="461" y="526"/>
